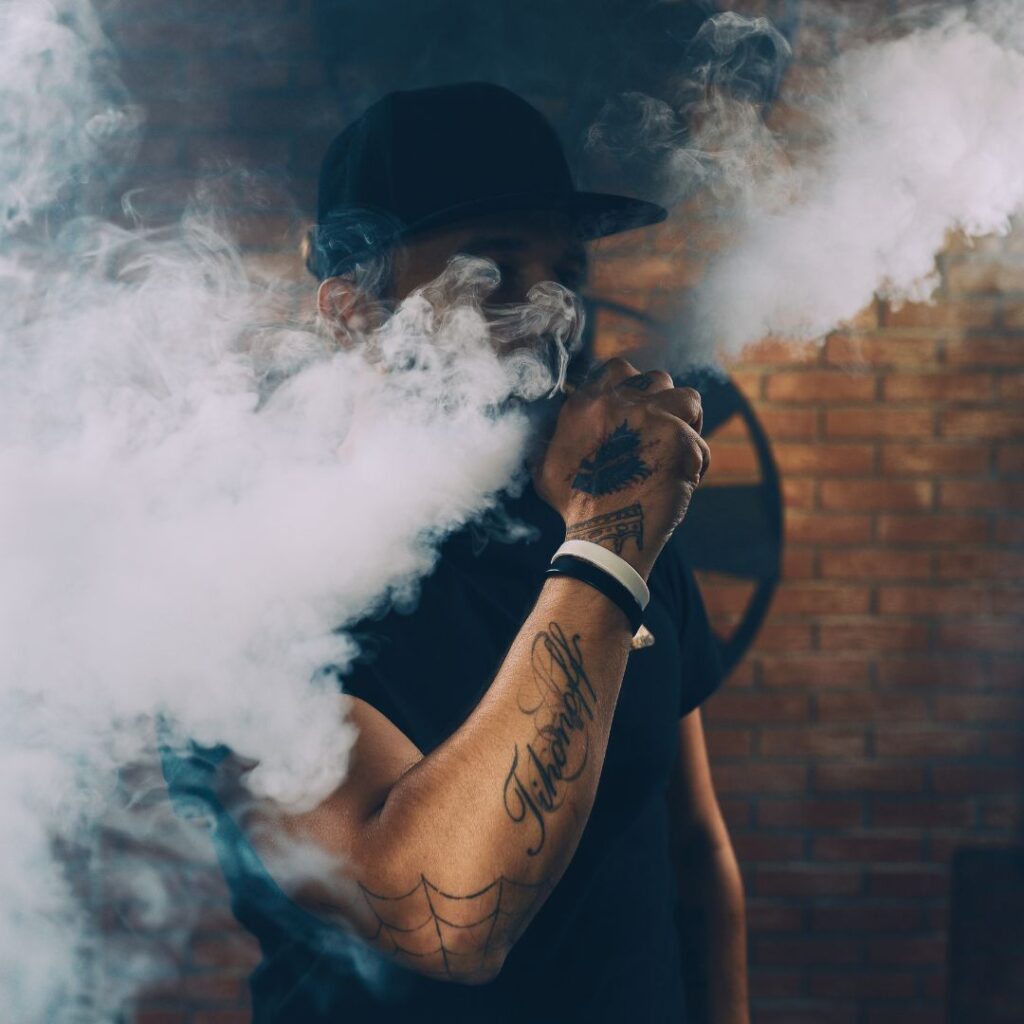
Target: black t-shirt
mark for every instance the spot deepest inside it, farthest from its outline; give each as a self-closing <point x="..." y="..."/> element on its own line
<point x="604" y="946"/>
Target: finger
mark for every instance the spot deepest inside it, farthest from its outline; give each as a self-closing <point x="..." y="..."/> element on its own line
<point x="683" y="403"/>
<point x="609" y="374"/>
<point x="699" y="454"/>
<point x="649" y="383"/>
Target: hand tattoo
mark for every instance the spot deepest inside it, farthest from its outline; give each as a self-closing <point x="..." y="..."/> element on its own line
<point x="614" y="465"/>
<point x="641" y="382"/>
<point x="615" y="527"/>
<point x="561" y="706"/>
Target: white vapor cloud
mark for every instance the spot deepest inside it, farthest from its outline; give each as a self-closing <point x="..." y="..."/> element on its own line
<point x="920" y="135"/>
<point x="194" y="495"/>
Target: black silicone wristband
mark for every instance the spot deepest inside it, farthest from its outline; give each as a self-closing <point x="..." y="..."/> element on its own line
<point x="587" y="572"/>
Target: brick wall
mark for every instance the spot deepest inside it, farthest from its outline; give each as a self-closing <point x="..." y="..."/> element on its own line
<point x="878" y="724"/>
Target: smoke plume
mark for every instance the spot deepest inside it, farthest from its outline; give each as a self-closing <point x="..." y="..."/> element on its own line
<point x="909" y="138"/>
<point x="197" y="494"/>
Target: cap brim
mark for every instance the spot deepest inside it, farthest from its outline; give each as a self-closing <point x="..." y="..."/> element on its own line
<point x="592" y="214"/>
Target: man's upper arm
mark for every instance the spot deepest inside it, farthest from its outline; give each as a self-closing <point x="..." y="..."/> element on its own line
<point x="693" y="805"/>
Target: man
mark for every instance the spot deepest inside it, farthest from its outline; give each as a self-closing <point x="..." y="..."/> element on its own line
<point x="528" y="775"/>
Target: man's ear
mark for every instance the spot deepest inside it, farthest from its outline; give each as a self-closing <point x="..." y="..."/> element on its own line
<point x="345" y="307"/>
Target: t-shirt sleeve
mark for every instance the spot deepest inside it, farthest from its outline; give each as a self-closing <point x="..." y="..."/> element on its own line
<point x="703" y="672"/>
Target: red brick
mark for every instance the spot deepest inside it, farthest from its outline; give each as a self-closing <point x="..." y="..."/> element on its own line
<point x="869" y="777"/>
<point x="939" y="387"/>
<point x="754" y="708"/>
<point x="778" y="351"/>
<point x="975" y="352"/>
<point x="863" y="984"/>
<point x="932" y="671"/>
<point x="922" y="813"/>
<point x="774" y="982"/>
<point x="1010" y="458"/>
<point x="978" y="707"/>
<point x="789" y="424"/>
<point x="873" y="635"/>
<point x="996" y="423"/>
<point x="982" y="635"/>
<point x="968" y="780"/>
<point x="939" y="459"/>
<point x="946" y="314"/>
<point x="921" y="1012"/>
<point x="798" y="563"/>
<point x="644" y="273"/>
<point x="809" y="812"/>
<point x="766" y="848"/>
<point x="876" y="564"/>
<point x="860" y="706"/>
<point x="797" y="493"/>
<point x="773" y="917"/>
<point x="847" y="350"/>
<point x="860" y="495"/>
<point x="923" y="949"/>
<point x="1011" y="387"/>
<point x="984" y="276"/>
<point x="808" y="1011"/>
<point x="911" y="883"/>
<point x="933" y="600"/>
<point x="830" y="528"/>
<point x="803" y="880"/>
<point x="1008" y="673"/>
<point x="828" y="459"/>
<point x="932" y="529"/>
<point x="815" y="670"/>
<point x="782" y="635"/>
<point x="924" y="743"/>
<point x="980" y="564"/>
<point x="1010" y="532"/>
<point x="820" y="599"/>
<point x="730" y="462"/>
<point x="864" y="918"/>
<point x="994" y="494"/>
<point x="1007" y="601"/>
<point x="817" y="950"/>
<point x="864" y="848"/>
<point x="732" y="778"/>
<point x="820" y="386"/>
<point x="728" y="742"/>
<point x="880" y="421"/>
<point x="736" y="811"/>
<point x="821" y="741"/>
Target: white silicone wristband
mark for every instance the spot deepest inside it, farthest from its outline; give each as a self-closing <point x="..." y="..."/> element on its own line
<point x="616" y="567"/>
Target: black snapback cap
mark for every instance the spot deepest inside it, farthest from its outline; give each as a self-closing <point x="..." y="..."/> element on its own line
<point x="431" y="157"/>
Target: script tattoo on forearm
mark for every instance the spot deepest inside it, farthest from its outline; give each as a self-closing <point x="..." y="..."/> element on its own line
<point x="560" y="700"/>
<point x="613" y="528"/>
<point x="614" y="465"/>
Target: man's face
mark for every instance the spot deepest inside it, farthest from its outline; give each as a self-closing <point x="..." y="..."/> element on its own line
<point x="528" y="248"/>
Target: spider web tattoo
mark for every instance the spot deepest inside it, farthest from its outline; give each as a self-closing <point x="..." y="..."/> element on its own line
<point x="457" y="932"/>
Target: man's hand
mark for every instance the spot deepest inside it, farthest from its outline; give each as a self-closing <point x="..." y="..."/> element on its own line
<point x="624" y="460"/>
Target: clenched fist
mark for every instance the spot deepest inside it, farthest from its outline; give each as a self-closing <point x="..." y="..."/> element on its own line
<point x="624" y="460"/>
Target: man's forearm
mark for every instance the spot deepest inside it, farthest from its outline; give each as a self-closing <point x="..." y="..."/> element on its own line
<point x="465" y="846"/>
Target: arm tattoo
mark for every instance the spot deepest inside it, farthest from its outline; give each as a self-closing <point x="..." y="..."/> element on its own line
<point x="448" y="935"/>
<point x="612" y="527"/>
<point x="614" y="465"/>
<point x="560" y="702"/>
